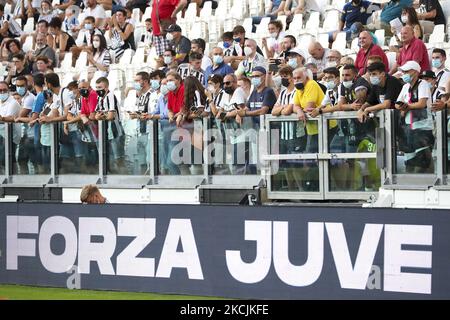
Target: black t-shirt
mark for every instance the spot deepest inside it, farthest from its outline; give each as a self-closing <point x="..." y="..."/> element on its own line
<point x="431" y="5"/>
<point x="391" y="90"/>
<point x="183" y="46"/>
<point x="350" y="94"/>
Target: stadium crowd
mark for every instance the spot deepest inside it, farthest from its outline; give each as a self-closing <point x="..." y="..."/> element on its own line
<point x="232" y="82"/>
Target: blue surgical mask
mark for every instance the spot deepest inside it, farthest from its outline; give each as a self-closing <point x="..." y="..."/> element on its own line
<point x="406" y="77"/>
<point x="375" y="80"/>
<point x="256" y="82"/>
<point x="237" y="39"/>
<point x="217" y="59"/>
<point x="436" y="63"/>
<point x="154" y="84"/>
<point x="4" y="96"/>
<point x="88" y="26"/>
<point x="167" y="60"/>
<point x="171" y="86"/>
<point x="137" y="86"/>
<point x="347" y="84"/>
<point x="430" y="85"/>
<point x="21" y="91"/>
<point x="330" y="85"/>
<point x="71" y="95"/>
<point x="292" y="63"/>
<point x="164" y="90"/>
<point x="226" y="45"/>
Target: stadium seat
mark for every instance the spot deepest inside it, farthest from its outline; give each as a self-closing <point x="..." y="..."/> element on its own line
<point x="66" y="64"/>
<point x="323" y="39"/>
<point x="331" y="21"/>
<point x="380" y="35"/>
<point x="28" y="44"/>
<point x="261" y="29"/>
<point x="138" y="57"/>
<point x="296" y="24"/>
<point x="206" y="11"/>
<point x="438" y="35"/>
<point x="248" y="25"/>
<point x="340" y="43"/>
<point x="312" y="25"/>
<point x="392" y="58"/>
<point x="191" y="12"/>
<point x="29" y="26"/>
<point x="56" y="2"/>
<point x="147" y="13"/>
<point x="126" y="57"/>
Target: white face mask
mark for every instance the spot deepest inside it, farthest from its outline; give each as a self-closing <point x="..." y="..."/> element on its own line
<point x="274" y="35"/>
<point x="211" y="89"/>
<point x="404" y="19"/>
<point x="169" y="37"/>
<point x="167" y="60"/>
<point x="248" y="51"/>
<point x="96" y="44"/>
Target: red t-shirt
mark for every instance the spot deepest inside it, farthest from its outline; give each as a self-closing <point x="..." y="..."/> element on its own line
<point x="88" y="104"/>
<point x="165" y="8"/>
<point x="415" y="51"/>
<point x="362" y="57"/>
<point x="175" y="100"/>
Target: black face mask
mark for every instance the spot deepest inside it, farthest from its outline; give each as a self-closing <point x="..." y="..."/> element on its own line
<point x="315" y="76"/>
<point x="299" y="86"/>
<point x="228" y="90"/>
<point x="101" y="93"/>
<point x="84" y="93"/>
<point x="285" y="82"/>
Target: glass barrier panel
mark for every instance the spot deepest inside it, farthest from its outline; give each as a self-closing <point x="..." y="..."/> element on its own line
<point x="136" y="146"/>
<point x="27" y="152"/>
<point x="352" y="136"/>
<point x="354" y="175"/>
<point x="415" y="142"/>
<point x="77" y="148"/>
<point x="2" y="147"/>
<point x="447" y="136"/>
<point x="180" y="149"/>
<point x="233" y="148"/>
<point x="295" y="176"/>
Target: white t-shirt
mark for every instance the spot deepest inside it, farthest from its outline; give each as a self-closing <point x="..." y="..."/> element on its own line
<point x="98" y="12"/>
<point x="239" y="97"/>
<point x="423" y="92"/>
<point x="275" y="44"/>
<point x="27" y="103"/>
<point x="7" y="109"/>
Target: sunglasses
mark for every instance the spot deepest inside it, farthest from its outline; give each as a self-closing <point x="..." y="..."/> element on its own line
<point x="227" y="83"/>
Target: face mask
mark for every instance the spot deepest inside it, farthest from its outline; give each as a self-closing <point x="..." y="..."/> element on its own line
<point x="45" y="11"/>
<point x="256" y="82"/>
<point x="285" y="82"/>
<point x="217" y="59"/>
<point x="101" y="93"/>
<point x="169" y="37"/>
<point x="96" y="44"/>
<point x="154" y="84"/>
<point x="404" y="19"/>
<point x="292" y="63"/>
<point x="430" y="85"/>
<point x="237" y="40"/>
<point x="88" y="26"/>
<point x="164" y="90"/>
<point x="299" y="85"/>
<point x="331" y="64"/>
<point x="137" y="86"/>
<point x="21" y="91"/>
<point x="4" y="96"/>
<point x="171" y="86"/>
<point x="84" y="93"/>
<point x="211" y="89"/>
<point x="330" y="85"/>
<point x="226" y="45"/>
<point x="347" y="84"/>
<point x="228" y="90"/>
<point x="71" y="95"/>
<point x="436" y="63"/>
<point x="167" y="60"/>
<point x="375" y="80"/>
<point x="315" y="76"/>
<point x="274" y="35"/>
<point x="406" y="78"/>
<point x="248" y="51"/>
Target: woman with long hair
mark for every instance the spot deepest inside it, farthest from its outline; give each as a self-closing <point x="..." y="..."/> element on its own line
<point x="409" y="18"/>
<point x="100" y="58"/>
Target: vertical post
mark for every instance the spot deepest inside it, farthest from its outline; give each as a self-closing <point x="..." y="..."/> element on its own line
<point x="8" y="152"/>
<point x="389" y="146"/>
<point x="440" y="138"/>
<point x="205" y="137"/>
<point x="101" y="151"/>
<point x="53" y="151"/>
<point x="152" y="142"/>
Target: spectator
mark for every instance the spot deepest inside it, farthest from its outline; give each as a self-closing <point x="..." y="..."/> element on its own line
<point x="147" y="35"/>
<point x="47" y="12"/>
<point x="439" y="57"/>
<point x="9" y="28"/>
<point x="219" y="67"/>
<point x="354" y="12"/>
<point x="430" y="14"/>
<point x="272" y="44"/>
<point x="193" y="68"/>
<point x="63" y="41"/>
<point x="346" y="60"/>
<point x="287" y="44"/>
<point x="42" y="27"/>
<point x="368" y="48"/>
<point x="389" y="12"/>
<point x="85" y="36"/>
<point x="414" y="105"/>
<point x="161" y="19"/>
<point x="93" y="9"/>
<point x="100" y="58"/>
<point x="319" y="56"/>
<point x="121" y="34"/>
<point x="180" y="44"/>
<point x="12" y="47"/>
<point x="275" y="8"/>
<point x="18" y="68"/>
<point x="42" y="65"/>
<point x="198" y="46"/>
<point x="413" y="50"/>
<point x="409" y="18"/>
<point x="284" y="104"/>
<point x="253" y="59"/>
<point x="169" y="61"/>
<point x="161" y="111"/>
<point x="227" y="44"/>
<point x="384" y="92"/>
<point x="90" y="194"/>
<point x="42" y="49"/>
<point x="331" y="78"/>
<point x="333" y="59"/>
<point x="175" y="98"/>
<point x="296" y="58"/>
<point x="347" y="90"/>
<point x="217" y="98"/>
<point x="430" y="77"/>
<point x="238" y="50"/>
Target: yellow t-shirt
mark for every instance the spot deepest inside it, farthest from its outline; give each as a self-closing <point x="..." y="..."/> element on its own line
<point x="311" y="93"/>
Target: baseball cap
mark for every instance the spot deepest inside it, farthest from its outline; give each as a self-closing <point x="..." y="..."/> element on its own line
<point x="260" y="69"/>
<point x="427" y="74"/>
<point x="298" y="51"/>
<point x="410" y="65"/>
<point x="173" y="28"/>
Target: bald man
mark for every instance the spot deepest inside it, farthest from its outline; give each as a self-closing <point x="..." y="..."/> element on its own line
<point x="368" y="48"/>
<point x="413" y="50"/>
<point x="252" y="59"/>
<point x="318" y="56"/>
